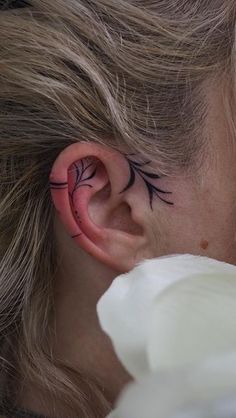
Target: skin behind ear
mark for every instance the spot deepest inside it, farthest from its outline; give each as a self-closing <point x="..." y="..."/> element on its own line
<point x="100" y="203"/>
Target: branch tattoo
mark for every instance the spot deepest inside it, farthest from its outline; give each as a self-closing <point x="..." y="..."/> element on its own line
<point x="81" y="173"/>
<point x="138" y="169"/>
<point x="85" y="170"/>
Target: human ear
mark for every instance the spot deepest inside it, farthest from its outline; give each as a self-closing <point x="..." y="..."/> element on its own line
<point x="91" y="191"/>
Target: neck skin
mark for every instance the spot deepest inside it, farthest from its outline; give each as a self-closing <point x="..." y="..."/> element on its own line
<point x="81" y="282"/>
<point x="79" y="339"/>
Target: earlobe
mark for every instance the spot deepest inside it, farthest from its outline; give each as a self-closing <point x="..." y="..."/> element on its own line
<point x="79" y="175"/>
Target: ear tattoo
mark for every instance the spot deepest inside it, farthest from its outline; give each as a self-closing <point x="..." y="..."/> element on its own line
<point x="80" y="173"/>
<point x="136" y="168"/>
<point x="83" y="171"/>
<point x="55" y="185"/>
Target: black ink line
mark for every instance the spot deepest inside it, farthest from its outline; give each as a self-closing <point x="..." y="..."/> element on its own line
<point x="58" y="184"/>
<point x="77" y="235"/>
<point x="80" y="173"/>
<point x="135" y="169"/>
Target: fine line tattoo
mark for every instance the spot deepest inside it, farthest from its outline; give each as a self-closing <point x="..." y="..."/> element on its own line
<point x="138" y="168"/>
<point x="83" y="171"/>
<point x="77" y="235"/>
<point x="58" y="185"/>
<point x="82" y="175"/>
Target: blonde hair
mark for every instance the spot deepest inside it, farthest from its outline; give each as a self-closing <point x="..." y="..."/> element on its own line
<point x="122" y="73"/>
